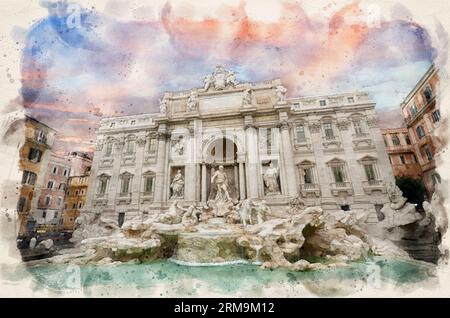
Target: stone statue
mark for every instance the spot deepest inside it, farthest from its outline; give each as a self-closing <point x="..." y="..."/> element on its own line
<point x="271" y="180"/>
<point x="190" y="216"/>
<point x="192" y="102"/>
<point x="177" y="186"/>
<point x="247" y="98"/>
<point x="231" y="79"/>
<point x="281" y="94"/>
<point x="220" y="79"/>
<point x="220" y="182"/>
<point x="178" y="146"/>
<point x="208" y="80"/>
<point x="163" y="105"/>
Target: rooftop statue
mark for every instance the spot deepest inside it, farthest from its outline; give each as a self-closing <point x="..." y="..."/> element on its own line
<point x="220" y="79"/>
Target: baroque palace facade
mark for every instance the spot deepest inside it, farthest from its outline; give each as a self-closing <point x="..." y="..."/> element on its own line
<point x="328" y="151"/>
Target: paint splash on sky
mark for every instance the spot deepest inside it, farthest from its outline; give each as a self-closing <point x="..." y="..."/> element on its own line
<point x="74" y="75"/>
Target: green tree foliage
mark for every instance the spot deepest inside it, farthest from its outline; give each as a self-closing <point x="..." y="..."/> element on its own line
<point x="413" y="189"/>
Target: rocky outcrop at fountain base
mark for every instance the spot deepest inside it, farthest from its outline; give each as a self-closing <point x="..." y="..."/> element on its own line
<point x="244" y="233"/>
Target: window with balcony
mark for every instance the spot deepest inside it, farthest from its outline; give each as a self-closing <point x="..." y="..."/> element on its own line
<point x="357" y="125"/>
<point x="130" y="146"/>
<point x="395" y="140"/>
<point x="152" y="144"/>
<point x="338" y="173"/>
<point x="109" y="148"/>
<point x="103" y="181"/>
<point x="413" y="110"/>
<point x="34" y="155"/>
<point x="28" y="178"/>
<point x="408" y="141"/>
<point x="428" y="93"/>
<point x="420" y="132"/>
<point x="328" y="130"/>
<point x="428" y="152"/>
<point x="300" y="133"/>
<point x="308" y="175"/>
<point x="125" y="181"/>
<point x="436" y="116"/>
<point x="149" y="183"/>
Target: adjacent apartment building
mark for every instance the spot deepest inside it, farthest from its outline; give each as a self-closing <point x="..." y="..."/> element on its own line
<point x="27" y="144"/>
<point x="51" y="200"/>
<point x="403" y="160"/>
<point x="422" y="116"/>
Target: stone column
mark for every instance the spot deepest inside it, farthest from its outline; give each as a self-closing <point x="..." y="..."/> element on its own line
<point x="252" y="161"/>
<point x="241" y="181"/>
<point x="287" y="156"/>
<point x="160" y="164"/>
<point x="137" y="178"/>
<point x="203" y="186"/>
<point x="236" y="179"/>
<point x="190" y="168"/>
<point x="114" y="182"/>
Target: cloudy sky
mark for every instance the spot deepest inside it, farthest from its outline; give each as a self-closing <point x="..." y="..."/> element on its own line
<point x="74" y="71"/>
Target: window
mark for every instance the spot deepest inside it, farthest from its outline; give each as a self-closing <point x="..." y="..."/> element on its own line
<point x="296" y="105"/>
<point x="40" y="136"/>
<point x="408" y="141"/>
<point x="50" y="185"/>
<point x="121" y="219"/>
<point x="125" y="184"/>
<point x="76" y="193"/>
<point x="338" y="173"/>
<point x="44" y="214"/>
<point x="402" y="159"/>
<point x="59" y="201"/>
<point x="323" y="102"/>
<point x="133" y="122"/>
<point x="47" y="200"/>
<point x="345" y="207"/>
<point x="420" y="132"/>
<point x="21" y="204"/>
<point x="62" y="186"/>
<point x="328" y="129"/>
<point x="102" y="185"/>
<point x="395" y="140"/>
<point x="300" y="130"/>
<point x="152" y="146"/>
<point x="370" y="172"/>
<point x="80" y="205"/>
<point x="109" y="146"/>
<point x="307" y="176"/>
<point x="55" y="216"/>
<point x="351" y="100"/>
<point x="413" y="110"/>
<point x="74" y="206"/>
<point x="148" y="185"/>
<point x="428" y="93"/>
<point x="428" y="152"/>
<point x="34" y="155"/>
<point x="358" y="127"/>
<point x="130" y="146"/>
<point x="414" y="158"/>
<point x="29" y="178"/>
<point x="436" y="116"/>
<point x="65" y="173"/>
<point x="112" y="125"/>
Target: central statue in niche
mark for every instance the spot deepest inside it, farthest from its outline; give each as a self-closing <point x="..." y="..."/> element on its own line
<point x="220" y="181"/>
